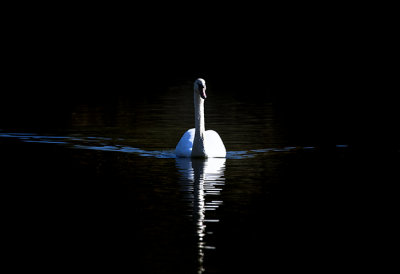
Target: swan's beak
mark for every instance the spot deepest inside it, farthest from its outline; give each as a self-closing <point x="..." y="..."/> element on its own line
<point x="202" y="91"/>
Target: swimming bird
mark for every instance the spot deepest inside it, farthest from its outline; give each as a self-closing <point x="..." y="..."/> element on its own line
<point x="197" y="142"/>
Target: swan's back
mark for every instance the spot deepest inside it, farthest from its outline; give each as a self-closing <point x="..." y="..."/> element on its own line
<point x="184" y="147"/>
<point x="213" y="144"/>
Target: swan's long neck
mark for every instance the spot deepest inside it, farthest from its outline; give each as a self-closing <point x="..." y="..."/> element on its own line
<point x="198" y="142"/>
<point x="199" y="115"/>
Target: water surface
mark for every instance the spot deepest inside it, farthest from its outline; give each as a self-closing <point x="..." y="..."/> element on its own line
<point x="96" y="184"/>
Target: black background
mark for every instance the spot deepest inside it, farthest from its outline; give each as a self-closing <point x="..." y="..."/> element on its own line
<point x="322" y="68"/>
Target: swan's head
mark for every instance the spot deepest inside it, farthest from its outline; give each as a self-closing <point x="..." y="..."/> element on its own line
<point x="200" y="87"/>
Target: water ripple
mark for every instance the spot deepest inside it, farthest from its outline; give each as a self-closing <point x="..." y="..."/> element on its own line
<point x="119" y="145"/>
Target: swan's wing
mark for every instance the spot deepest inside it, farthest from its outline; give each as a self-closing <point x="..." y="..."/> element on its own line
<point x="214" y="145"/>
<point x="184" y="147"/>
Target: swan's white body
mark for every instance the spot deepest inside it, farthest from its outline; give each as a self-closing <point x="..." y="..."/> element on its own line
<point x="213" y="145"/>
<point x="197" y="142"/>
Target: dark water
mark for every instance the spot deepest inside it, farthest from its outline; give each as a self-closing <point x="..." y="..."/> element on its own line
<point x="93" y="183"/>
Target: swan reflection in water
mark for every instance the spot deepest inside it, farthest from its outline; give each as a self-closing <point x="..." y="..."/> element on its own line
<point x="202" y="182"/>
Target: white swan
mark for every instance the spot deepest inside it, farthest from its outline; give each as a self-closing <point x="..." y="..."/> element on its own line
<point x="197" y="142"/>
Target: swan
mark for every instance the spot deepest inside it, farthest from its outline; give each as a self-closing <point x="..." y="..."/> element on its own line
<point x="197" y="142"/>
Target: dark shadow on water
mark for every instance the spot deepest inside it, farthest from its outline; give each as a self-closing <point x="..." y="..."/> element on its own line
<point x="189" y="215"/>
